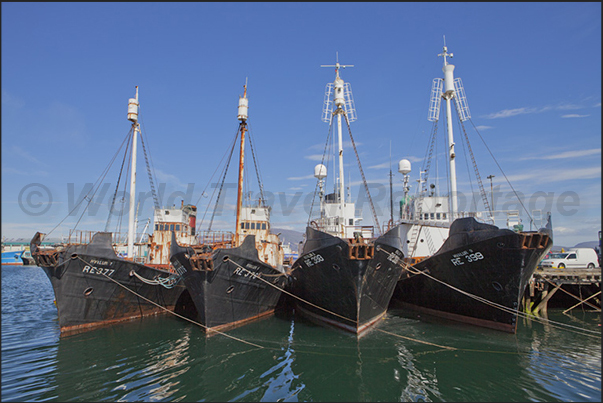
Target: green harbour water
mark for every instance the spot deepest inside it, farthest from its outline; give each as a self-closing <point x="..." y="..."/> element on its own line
<point x="405" y="358"/>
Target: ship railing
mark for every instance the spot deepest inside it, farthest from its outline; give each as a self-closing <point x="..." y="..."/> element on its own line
<point x="117" y="238"/>
<point x="215" y="237"/>
<point x="366" y="231"/>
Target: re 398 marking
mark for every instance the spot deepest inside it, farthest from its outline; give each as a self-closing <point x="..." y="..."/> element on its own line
<point x="469" y="256"/>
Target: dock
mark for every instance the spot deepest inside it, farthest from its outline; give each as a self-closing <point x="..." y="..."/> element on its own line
<point x="582" y="285"/>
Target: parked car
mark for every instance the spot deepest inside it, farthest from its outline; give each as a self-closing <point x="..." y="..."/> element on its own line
<point x="578" y="258"/>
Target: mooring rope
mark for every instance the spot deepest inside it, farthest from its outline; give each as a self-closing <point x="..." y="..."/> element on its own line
<point x="413" y="270"/>
<point x="258" y="276"/>
<point x="255" y="275"/>
<point x="167" y="282"/>
<point x="336" y="314"/>
<point x="174" y="313"/>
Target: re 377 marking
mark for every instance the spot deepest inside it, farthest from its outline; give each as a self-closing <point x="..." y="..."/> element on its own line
<point x="97" y="270"/>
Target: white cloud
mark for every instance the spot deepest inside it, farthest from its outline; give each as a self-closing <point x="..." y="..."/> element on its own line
<point x="316" y="157"/>
<point x="163" y="177"/>
<point x="394" y="164"/>
<point x="381" y="166"/>
<point x="506" y="113"/>
<point x="574" y="116"/>
<point x="559" y="175"/>
<point x="566" y="154"/>
<point x="10" y="170"/>
<point x="9" y="100"/>
<point x="24" y="154"/>
<point x="300" y="178"/>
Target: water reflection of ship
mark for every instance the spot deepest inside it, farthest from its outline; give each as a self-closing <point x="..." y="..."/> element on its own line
<point x="148" y="369"/>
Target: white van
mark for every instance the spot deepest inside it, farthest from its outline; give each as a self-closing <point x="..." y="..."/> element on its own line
<point x="578" y="258"/>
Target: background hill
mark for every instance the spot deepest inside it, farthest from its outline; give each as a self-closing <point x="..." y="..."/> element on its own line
<point x="289" y="236"/>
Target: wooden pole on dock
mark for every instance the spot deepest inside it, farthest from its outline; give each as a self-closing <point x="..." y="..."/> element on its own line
<point x="546" y="296"/>
<point x="584" y="302"/>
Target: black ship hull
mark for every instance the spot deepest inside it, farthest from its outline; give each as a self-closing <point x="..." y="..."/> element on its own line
<point x="233" y="289"/>
<point x="94" y="287"/>
<point x="478" y="276"/>
<point x="345" y="284"/>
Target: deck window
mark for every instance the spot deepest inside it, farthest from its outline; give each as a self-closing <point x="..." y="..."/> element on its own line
<point x="252" y="225"/>
<point x="263" y="225"/>
<point x="177" y="227"/>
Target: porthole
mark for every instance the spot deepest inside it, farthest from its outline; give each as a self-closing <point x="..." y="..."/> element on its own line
<point x="500" y="244"/>
<point x="497" y="286"/>
<point x="378" y="266"/>
<point x="88" y="291"/>
<point x="230" y="289"/>
<point x="335" y="267"/>
<point x="74" y="256"/>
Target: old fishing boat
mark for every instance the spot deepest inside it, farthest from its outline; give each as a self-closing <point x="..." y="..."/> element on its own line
<point x="460" y="266"/>
<point x="234" y="278"/>
<point x="95" y="284"/>
<point x="345" y="275"/>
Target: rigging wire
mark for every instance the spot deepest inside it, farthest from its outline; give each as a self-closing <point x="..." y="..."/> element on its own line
<point x="503" y="173"/>
<point x="125" y="188"/>
<point x="209" y="182"/>
<point x="151" y="182"/>
<point x="477" y="175"/>
<point x="257" y="168"/>
<point x="468" y="173"/>
<point x="94" y="188"/>
<point x="118" y="182"/>
<point x="225" y="171"/>
<point x="368" y="193"/>
<point x="330" y="130"/>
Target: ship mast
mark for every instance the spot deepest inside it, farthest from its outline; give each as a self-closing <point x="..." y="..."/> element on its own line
<point x="448" y="94"/>
<point x="133" y="117"/>
<point x="339" y="101"/>
<point x="242" y="116"/>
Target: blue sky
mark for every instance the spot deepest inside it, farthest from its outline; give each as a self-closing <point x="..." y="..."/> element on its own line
<point x="531" y="72"/>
